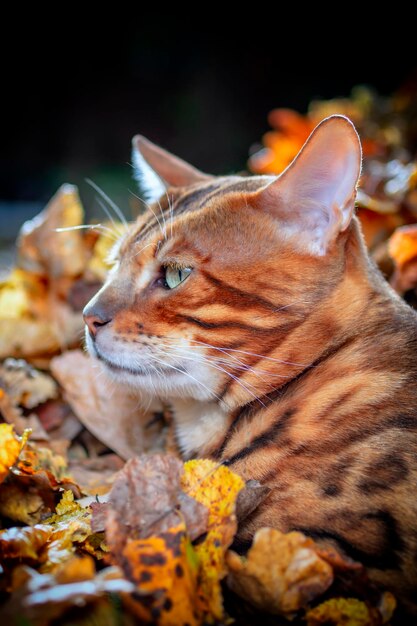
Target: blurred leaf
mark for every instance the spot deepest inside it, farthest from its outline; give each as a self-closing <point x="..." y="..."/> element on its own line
<point x="281" y="574"/>
<point x="10" y="447"/>
<point x="346" y="611"/>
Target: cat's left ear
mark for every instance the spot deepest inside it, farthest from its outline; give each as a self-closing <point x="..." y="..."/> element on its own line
<point x="314" y="198"/>
<point x="156" y="169"/>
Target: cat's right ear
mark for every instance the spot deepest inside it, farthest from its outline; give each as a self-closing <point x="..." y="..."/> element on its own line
<point x="314" y="198"/>
<point x="156" y="169"/>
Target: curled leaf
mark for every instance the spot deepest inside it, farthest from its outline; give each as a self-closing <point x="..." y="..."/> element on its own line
<point x="88" y="395"/>
<point x="281" y="574"/>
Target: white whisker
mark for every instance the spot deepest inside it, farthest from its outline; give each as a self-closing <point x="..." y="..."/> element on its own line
<point x="152" y="211"/>
<point x="105" y="197"/>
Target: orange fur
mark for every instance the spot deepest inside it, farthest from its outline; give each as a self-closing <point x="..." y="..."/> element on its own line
<point x="314" y="392"/>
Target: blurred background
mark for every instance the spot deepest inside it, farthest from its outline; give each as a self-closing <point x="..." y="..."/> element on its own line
<point x="80" y="92"/>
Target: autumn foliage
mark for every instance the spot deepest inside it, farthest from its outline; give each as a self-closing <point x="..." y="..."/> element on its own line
<point x="101" y="522"/>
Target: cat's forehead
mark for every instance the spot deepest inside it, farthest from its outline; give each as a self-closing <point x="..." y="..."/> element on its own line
<point x="200" y="195"/>
<point x="180" y="201"/>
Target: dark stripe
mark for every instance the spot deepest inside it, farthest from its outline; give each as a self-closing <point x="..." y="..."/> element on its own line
<point x="223" y="324"/>
<point x="388" y="558"/>
<point x="267" y="438"/>
<point x="247" y="296"/>
<point x="194" y="200"/>
<point x="277" y="333"/>
<point x="249" y="410"/>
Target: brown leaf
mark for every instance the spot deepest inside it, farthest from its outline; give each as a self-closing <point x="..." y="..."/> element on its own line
<point x="99" y="515"/>
<point x="26" y="386"/>
<point x="43" y="250"/>
<point x="109" y="412"/>
<point x="96" y="475"/>
<point x="281" y="574"/>
<point x="21" y="504"/>
<point x="147" y="497"/>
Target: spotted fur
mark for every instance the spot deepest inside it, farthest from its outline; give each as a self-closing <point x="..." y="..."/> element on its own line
<point x="293" y="367"/>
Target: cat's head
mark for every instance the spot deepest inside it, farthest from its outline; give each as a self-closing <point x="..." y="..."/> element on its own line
<point x="212" y="284"/>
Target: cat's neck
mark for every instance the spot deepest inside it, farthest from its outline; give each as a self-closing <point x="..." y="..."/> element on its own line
<point x="358" y="311"/>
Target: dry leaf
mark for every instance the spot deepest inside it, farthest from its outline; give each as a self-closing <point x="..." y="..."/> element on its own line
<point x="96" y="475"/>
<point x="21" y="504"/>
<point x="402" y="247"/>
<point x="111" y="413"/>
<point x="44" y="251"/>
<point x="43" y="599"/>
<point x="147" y="536"/>
<point x="26" y="386"/>
<point x="216" y="487"/>
<point x="147" y="497"/>
<point x="164" y="570"/>
<point x="10" y="447"/>
<point x="281" y="574"/>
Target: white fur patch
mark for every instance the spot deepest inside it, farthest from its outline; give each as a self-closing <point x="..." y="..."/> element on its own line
<point x="151" y="186"/>
<point x="198" y="424"/>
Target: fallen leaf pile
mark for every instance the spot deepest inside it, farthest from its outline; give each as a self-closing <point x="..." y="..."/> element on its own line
<point x="100" y="520"/>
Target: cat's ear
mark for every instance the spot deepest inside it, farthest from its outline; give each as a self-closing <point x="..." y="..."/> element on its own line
<point x="156" y="169"/>
<point x="314" y="198"/>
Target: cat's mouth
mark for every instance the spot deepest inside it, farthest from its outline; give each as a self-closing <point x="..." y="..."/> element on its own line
<point x="137" y="371"/>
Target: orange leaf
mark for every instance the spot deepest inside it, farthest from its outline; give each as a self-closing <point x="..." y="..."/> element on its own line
<point x="281" y="573"/>
<point x="10" y="447"/>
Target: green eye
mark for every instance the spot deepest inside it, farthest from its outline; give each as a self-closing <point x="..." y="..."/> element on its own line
<point x="175" y="275"/>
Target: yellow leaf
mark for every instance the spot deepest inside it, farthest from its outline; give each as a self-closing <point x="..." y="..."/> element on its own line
<point x="71" y="519"/>
<point x="343" y="611"/>
<point x="10" y="447"/>
<point x="217" y="488"/>
<point x="99" y="264"/>
<point x="281" y="573"/>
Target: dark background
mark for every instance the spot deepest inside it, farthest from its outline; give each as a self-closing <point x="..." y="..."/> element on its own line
<point x="79" y="92"/>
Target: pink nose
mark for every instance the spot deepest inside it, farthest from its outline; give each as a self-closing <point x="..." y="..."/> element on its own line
<point x="95" y="317"/>
<point x="94" y="323"/>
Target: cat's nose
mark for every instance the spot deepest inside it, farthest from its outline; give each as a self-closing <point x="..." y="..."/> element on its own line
<point x="95" y="318"/>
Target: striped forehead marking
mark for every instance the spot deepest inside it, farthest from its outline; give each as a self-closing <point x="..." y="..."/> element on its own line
<point x="198" y="198"/>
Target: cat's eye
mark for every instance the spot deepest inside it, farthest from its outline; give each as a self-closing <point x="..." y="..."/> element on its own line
<point x="174" y="276"/>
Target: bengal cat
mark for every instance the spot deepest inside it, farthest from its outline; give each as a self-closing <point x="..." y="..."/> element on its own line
<point x="251" y="305"/>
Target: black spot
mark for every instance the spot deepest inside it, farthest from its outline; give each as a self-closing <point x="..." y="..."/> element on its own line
<point x="139" y="326"/>
<point x="173" y="541"/>
<point x="153" y="559"/>
<point x="145" y="577"/>
<point x="332" y="490"/>
<point x="200" y="539"/>
<point x="179" y="571"/>
<point x="167" y="604"/>
<point x="217" y="543"/>
<point x="155" y="612"/>
<point x="404" y="421"/>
